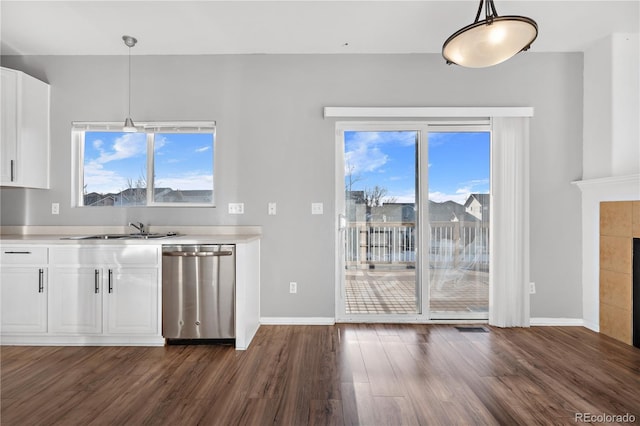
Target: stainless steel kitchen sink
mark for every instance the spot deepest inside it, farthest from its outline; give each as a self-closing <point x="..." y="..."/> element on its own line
<point x="136" y="236"/>
<point x="150" y="236"/>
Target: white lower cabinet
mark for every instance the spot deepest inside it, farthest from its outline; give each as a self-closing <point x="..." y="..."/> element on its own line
<point x="23" y="299"/>
<point x="77" y="295"/>
<point x="131" y="301"/>
<point x="106" y="291"/>
<point x="76" y="300"/>
<point x="112" y="300"/>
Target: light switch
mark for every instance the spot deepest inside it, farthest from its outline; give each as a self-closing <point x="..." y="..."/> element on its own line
<point x="272" y="209"/>
<point x="317" y="208"/>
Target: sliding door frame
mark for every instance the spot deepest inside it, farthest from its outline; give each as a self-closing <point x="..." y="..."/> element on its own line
<point x="422" y="218"/>
<point x="421" y="192"/>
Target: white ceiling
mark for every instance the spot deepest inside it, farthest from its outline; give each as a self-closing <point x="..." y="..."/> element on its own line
<point x="93" y="27"/>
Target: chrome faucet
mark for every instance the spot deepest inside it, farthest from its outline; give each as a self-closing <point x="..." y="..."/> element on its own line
<point x="139" y="226"/>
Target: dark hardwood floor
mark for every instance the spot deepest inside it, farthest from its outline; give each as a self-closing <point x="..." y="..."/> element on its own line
<point x="348" y="374"/>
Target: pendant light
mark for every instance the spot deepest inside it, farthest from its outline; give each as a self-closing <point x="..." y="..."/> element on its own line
<point x="490" y="41"/>
<point x="128" y="122"/>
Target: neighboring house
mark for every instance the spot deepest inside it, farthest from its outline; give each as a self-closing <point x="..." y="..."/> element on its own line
<point x="94" y="199"/>
<point x="448" y="211"/>
<point x="135" y="196"/>
<point x="478" y="205"/>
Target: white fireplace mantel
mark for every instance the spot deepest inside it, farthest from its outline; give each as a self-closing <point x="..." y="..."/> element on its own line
<point x="594" y="191"/>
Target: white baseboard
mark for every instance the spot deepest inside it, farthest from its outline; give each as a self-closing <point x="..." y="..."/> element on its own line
<point x="63" y="340"/>
<point x="297" y="321"/>
<point x="535" y="322"/>
<point x="557" y="322"/>
<point x="591" y="326"/>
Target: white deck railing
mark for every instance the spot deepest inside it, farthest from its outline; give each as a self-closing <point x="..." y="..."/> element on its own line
<point x="451" y="244"/>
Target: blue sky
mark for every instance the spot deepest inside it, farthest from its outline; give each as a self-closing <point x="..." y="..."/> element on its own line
<point x="458" y="163"/>
<point x="182" y="161"/>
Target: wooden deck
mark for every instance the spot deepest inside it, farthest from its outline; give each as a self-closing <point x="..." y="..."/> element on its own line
<point x="348" y="374"/>
<point x="393" y="291"/>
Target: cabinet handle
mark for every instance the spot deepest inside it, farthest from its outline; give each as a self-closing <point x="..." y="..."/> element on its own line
<point x="12" y="172"/>
<point x="41" y="281"/>
<point x="110" y="281"/>
<point x="97" y="281"/>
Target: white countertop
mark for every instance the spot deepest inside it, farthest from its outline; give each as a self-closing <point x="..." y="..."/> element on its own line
<point x="66" y="235"/>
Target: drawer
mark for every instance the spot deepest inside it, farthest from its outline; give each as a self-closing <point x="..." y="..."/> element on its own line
<point x="129" y="255"/>
<point x="24" y="255"/>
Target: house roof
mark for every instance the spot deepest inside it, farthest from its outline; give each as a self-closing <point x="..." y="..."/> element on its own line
<point x="483" y="199"/>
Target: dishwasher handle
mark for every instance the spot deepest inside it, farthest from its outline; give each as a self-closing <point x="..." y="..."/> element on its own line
<point x="197" y="253"/>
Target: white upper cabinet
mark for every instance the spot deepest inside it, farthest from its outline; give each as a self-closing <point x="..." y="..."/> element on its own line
<point x="25" y="130"/>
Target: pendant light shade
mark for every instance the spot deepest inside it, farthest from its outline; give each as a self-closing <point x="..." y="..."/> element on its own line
<point x="129" y="127"/>
<point x="490" y="41"/>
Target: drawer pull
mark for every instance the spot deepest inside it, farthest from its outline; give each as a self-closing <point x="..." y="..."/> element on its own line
<point x="97" y="282"/>
<point x="41" y="281"/>
<point x="17" y="252"/>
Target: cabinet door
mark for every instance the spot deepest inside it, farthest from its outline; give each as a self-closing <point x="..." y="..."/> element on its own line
<point x="23" y="300"/>
<point x="76" y="300"/>
<point x="8" y="125"/>
<point x="33" y="139"/>
<point x="131" y="301"/>
<point x="25" y="130"/>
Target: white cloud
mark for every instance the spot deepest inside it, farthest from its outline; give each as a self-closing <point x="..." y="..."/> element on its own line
<point x="203" y="149"/>
<point x="126" y="146"/>
<point x="461" y="194"/>
<point x="364" y="159"/>
<point x="407" y="197"/>
<point x="363" y="153"/>
<point x="441" y="197"/>
<point x="159" y="142"/>
<point x="97" y="179"/>
<point x="186" y="181"/>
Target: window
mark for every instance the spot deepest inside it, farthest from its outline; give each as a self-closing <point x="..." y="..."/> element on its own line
<point x="163" y="164"/>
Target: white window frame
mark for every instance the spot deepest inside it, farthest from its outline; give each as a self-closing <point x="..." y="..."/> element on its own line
<point x="151" y="129"/>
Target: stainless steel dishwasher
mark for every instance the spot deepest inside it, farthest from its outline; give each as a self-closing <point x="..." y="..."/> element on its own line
<point x="198" y="291"/>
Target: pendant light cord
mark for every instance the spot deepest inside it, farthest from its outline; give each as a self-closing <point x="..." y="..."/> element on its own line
<point x="129" y="114"/>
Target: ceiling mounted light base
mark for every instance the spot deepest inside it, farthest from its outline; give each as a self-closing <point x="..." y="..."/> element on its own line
<point x="129" y="41"/>
<point x="490" y="41"/>
<point x="129" y="127"/>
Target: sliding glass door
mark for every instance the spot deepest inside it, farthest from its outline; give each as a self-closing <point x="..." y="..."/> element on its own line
<point x="459" y="207"/>
<point x="413" y="220"/>
<point x="380" y="178"/>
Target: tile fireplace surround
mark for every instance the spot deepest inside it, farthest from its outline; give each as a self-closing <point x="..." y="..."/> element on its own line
<point x="619" y="224"/>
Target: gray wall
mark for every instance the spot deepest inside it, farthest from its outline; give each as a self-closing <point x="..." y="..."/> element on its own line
<point x="274" y="145"/>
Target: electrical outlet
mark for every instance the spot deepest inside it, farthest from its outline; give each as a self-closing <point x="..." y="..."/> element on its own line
<point x="236" y="208"/>
<point x="532" y="288"/>
<point x="317" y="208"/>
<point x="55" y="208"/>
<point x="272" y="209"/>
<point x="293" y="287"/>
